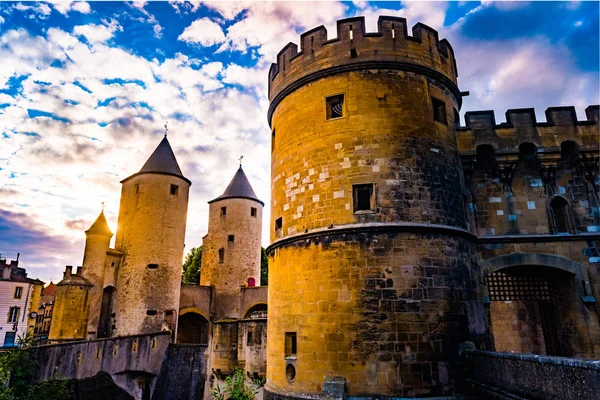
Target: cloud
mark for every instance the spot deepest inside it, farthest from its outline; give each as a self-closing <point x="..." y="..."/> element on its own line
<point x="64" y="7"/>
<point x="98" y="33"/>
<point x="40" y="10"/>
<point x="204" y="32"/>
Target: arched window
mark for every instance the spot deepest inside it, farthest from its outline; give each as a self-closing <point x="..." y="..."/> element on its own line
<point x="569" y="150"/>
<point x="560" y="216"/>
<point x="527" y="151"/>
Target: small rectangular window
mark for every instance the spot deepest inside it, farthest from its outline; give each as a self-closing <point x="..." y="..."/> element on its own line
<point x="253" y="212"/>
<point x="137" y="189"/>
<point x="18" y="292"/>
<point x="152" y="266"/>
<point x="273" y="140"/>
<point x="223" y="211"/>
<point x="335" y="106"/>
<point x="151" y="313"/>
<point x="363" y="196"/>
<point x="290" y="344"/>
<point x="249" y="339"/>
<point x="115" y="350"/>
<point x="230" y="238"/>
<point x="439" y="110"/>
<point x="78" y="359"/>
<point x="97" y="352"/>
<point x="221" y="256"/>
<point x="174" y="190"/>
<point x="13" y="314"/>
<point x="278" y="223"/>
<point x="134" y="346"/>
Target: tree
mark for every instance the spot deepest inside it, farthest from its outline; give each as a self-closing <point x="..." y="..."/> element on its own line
<point x="264" y="267"/>
<point x="191" y="266"/>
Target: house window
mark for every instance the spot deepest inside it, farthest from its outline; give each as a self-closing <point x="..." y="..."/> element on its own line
<point x="223" y="211"/>
<point x="174" y="190"/>
<point x="335" y="106"/>
<point x="249" y="339"/>
<point x="278" y="223"/>
<point x="439" y="111"/>
<point x="13" y="314"/>
<point x="253" y="212"/>
<point x="18" y="292"/>
<point x="230" y="238"/>
<point x="560" y="216"/>
<point x="363" y="196"/>
<point x="290" y="344"/>
<point x="221" y="256"/>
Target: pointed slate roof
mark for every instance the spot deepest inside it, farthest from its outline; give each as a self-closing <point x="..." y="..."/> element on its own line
<point x="162" y="161"/>
<point x="239" y="188"/>
<point x="100" y="226"/>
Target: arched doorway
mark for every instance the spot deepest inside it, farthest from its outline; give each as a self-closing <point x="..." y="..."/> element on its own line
<point x="525" y="308"/>
<point x="257" y="311"/>
<point x="104" y="325"/>
<point x="535" y="303"/>
<point x="192" y="328"/>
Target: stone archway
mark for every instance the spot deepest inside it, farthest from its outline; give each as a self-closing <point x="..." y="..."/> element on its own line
<point x="532" y="298"/>
<point x="192" y="328"/>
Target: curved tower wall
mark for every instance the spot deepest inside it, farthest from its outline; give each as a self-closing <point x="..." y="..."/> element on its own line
<point x="151" y="231"/>
<point x="241" y="259"/>
<point x="94" y="258"/>
<point x="380" y="296"/>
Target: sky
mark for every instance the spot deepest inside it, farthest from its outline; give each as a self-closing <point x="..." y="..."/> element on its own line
<point x="86" y="88"/>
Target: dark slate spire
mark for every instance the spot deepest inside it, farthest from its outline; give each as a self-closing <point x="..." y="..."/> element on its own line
<point x="239" y="188"/>
<point x="100" y="226"/>
<point x="162" y="161"/>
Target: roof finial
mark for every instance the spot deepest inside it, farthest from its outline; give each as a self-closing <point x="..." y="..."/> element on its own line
<point x="166" y="129"/>
<point x="240" y="160"/>
<point x="102" y="206"/>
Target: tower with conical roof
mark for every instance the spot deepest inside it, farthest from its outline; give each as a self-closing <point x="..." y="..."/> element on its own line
<point x="150" y="237"/>
<point x="97" y="241"/>
<point x="231" y="248"/>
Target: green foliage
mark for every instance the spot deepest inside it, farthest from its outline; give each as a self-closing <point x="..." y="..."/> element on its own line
<point x="264" y="267"/>
<point x="236" y="388"/>
<point x="17" y="367"/>
<point x="50" y="390"/>
<point x="191" y="266"/>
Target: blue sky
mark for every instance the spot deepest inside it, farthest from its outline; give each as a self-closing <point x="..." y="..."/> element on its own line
<point x="86" y="87"/>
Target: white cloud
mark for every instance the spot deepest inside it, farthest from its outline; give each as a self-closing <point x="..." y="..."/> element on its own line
<point x="252" y="78"/>
<point x="40" y="10"/>
<point x="203" y="31"/>
<point x="98" y="33"/>
<point x="64" y="7"/>
<point x="1" y="19"/>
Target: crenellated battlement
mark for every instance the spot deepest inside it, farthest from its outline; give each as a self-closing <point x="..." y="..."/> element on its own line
<point x="521" y="126"/>
<point x="355" y="49"/>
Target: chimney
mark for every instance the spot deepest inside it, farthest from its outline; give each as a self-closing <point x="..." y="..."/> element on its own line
<point x="6" y="272"/>
<point x="78" y="271"/>
<point x="68" y="270"/>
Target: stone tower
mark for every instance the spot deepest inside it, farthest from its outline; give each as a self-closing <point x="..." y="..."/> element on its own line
<point x="372" y="278"/>
<point x="71" y="305"/>
<point x="231" y="248"/>
<point x="150" y="237"/>
<point x="97" y="241"/>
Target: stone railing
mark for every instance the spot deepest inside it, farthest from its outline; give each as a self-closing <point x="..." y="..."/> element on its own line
<point x="493" y="375"/>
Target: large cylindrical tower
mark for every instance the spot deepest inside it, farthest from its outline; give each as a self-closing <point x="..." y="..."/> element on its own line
<point x="231" y="248"/>
<point x="370" y="268"/>
<point x="97" y="241"/>
<point x="150" y="236"/>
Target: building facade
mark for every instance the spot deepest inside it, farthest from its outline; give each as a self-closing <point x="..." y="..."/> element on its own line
<point x="397" y="235"/>
<point x="44" y="314"/>
<point x="19" y="296"/>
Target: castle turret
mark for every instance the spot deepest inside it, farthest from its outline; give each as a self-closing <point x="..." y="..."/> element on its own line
<point x="150" y="236"/>
<point x="370" y="272"/>
<point x="71" y="305"/>
<point x="231" y="248"/>
<point x="97" y="241"/>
